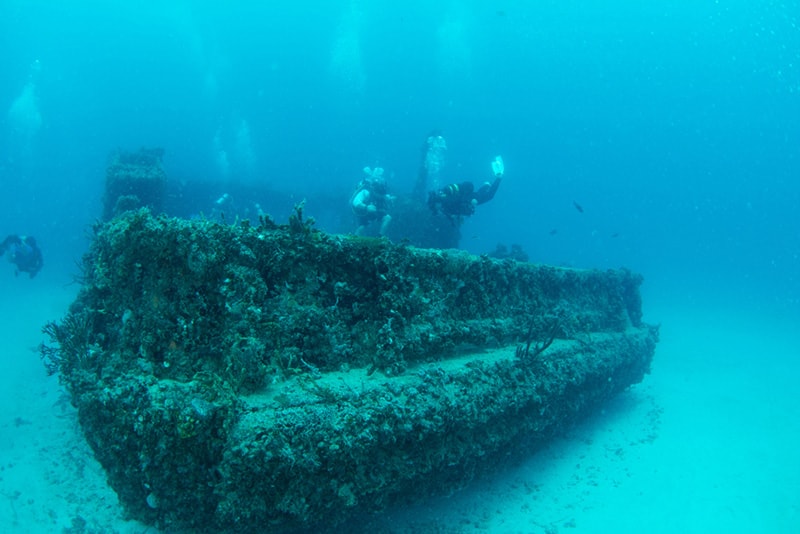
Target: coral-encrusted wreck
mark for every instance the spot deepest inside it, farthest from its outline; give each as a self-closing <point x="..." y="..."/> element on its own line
<point x="255" y="379"/>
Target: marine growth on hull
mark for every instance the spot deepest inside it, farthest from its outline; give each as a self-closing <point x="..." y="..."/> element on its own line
<point x="264" y="377"/>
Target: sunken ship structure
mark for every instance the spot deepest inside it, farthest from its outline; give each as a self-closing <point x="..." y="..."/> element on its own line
<point x="275" y="378"/>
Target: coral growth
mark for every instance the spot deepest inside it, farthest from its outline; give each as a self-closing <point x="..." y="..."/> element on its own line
<point x="230" y="377"/>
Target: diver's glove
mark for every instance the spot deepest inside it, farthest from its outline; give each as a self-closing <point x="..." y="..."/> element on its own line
<point x="497" y="167"/>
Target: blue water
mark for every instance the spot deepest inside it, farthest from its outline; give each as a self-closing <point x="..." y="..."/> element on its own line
<point x="675" y="126"/>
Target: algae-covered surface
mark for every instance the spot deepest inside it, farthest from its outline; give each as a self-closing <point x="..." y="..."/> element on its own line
<point x="243" y="378"/>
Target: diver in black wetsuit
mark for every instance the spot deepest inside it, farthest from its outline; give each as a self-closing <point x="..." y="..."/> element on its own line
<point x="24" y="253"/>
<point x="460" y="200"/>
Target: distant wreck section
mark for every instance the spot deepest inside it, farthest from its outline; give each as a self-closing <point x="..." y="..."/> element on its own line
<point x="273" y="378"/>
<point x="134" y="180"/>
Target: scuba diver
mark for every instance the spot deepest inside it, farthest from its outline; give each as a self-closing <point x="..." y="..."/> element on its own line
<point x="24" y="253"/>
<point x="459" y="200"/>
<point x="370" y="201"/>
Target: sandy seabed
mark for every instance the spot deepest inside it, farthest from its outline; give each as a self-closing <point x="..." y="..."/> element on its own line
<point x="707" y="443"/>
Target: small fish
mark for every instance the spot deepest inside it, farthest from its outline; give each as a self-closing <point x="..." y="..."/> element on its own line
<point x="554" y="231"/>
<point x="577" y="206"/>
<point x="615" y="234"/>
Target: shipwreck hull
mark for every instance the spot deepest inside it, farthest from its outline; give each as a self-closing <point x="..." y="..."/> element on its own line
<point x="234" y="378"/>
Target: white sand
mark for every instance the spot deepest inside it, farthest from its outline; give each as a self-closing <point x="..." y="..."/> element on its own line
<point x="708" y="443"/>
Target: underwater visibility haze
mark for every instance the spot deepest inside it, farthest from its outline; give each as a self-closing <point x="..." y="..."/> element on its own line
<point x="662" y="137"/>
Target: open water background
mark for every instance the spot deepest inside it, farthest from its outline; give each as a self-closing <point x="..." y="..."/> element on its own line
<point x="674" y="125"/>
